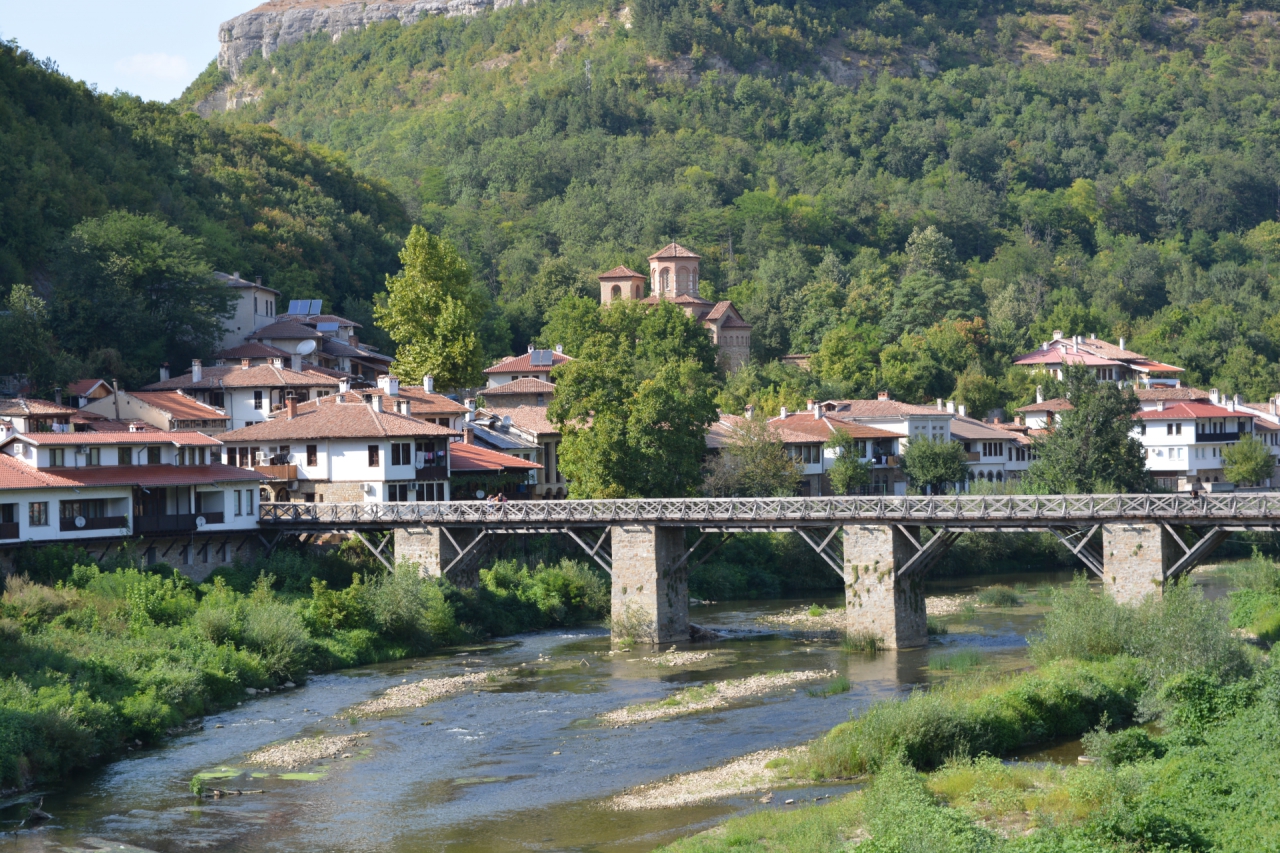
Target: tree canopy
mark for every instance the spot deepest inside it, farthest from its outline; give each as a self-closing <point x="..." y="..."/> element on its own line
<point x="635" y="403"/>
<point x="754" y="464"/>
<point x="935" y="465"/>
<point x="1248" y="462"/>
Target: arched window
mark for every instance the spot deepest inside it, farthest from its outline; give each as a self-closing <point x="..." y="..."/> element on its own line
<point x="664" y="279"/>
<point x="999" y="476"/>
<point x="616" y="293"/>
<point x="683" y="279"/>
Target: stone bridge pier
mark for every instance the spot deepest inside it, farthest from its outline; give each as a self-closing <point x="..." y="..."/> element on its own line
<point x="650" y="589"/>
<point x="451" y="552"/>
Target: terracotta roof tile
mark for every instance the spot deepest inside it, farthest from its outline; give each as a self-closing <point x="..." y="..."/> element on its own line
<point x="179" y="405"/>
<point x="530" y="418"/>
<point x="21" y="407"/>
<point x="422" y="403"/>
<point x="159" y="475"/>
<point x="827" y="425"/>
<point x="253" y="349"/>
<point x="236" y="281"/>
<point x="526" y="385"/>
<point x="620" y="272"/>
<point x="876" y="409"/>
<point x="334" y="417"/>
<point x="1057" y="404"/>
<point x="19" y="475"/>
<point x="469" y="457"/>
<point x="150" y="436"/>
<point x="1192" y="410"/>
<point x="975" y="430"/>
<point x="672" y="250"/>
<point x="255" y="376"/>
<point x="523" y="363"/>
<point x="319" y="318"/>
<point x="1181" y="393"/>
<point x="83" y="386"/>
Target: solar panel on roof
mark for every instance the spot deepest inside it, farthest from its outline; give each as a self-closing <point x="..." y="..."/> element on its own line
<point x="299" y="306"/>
<point x="326" y="327"/>
<point x="540" y="358"/>
<point x="315" y="306"/>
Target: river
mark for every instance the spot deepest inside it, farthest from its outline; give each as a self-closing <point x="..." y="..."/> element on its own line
<point x="520" y="765"/>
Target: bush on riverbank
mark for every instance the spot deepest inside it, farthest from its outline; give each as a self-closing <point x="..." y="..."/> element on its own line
<point x="1255" y="604"/>
<point x="101" y="659"/>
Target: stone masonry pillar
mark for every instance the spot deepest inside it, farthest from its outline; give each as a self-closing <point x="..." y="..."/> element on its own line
<point x="650" y="601"/>
<point x="877" y="602"/>
<point x="431" y="551"/>
<point x="1135" y="558"/>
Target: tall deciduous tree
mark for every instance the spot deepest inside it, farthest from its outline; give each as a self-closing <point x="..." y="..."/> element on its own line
<point x="754" y="464"/>
<point x="433" y="311"/>
<point x="935" y="464"/>
<point x="635" y="403"/>
<point x="1090" y="449"/>
<point x="849" y="471"/>
<point x="142" y="285"/>
<point x="1248" y="462"/>
<point x="29" y="347"/>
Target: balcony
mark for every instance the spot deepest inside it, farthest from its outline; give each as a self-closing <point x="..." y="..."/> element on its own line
<point x="9" y="530"/>
<point x="1215" y="437"/>
<point x="106" y="522"/>
<point x="974" y="457"/>
<point x="887" y="461"/>
<point x="431" y="472"/>
<point x="278" y="472"/>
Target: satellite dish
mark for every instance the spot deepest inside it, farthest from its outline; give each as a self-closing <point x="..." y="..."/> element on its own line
<point x="479" y="494"/>
<point x="306" y="347"/>
<point x="80" y="522"/>
<point x="200" y="522"/>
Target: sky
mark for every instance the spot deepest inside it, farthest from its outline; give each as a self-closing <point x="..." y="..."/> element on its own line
<point x="151" y="48"/>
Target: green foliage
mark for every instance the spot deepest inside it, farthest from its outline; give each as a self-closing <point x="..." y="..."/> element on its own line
<point x="254" y="200"/>
<point x="761" y="565"/>
<point x="849" y="471"/>
<point x="999" y="595"/>
<point x="643" y="379"/>
<point x="1090" y="448"/>
<point x="1248" y="461"/>
<point x="1123" y="747"/>
<point x="935" y="465"/>
<point x="432" y="311"/>
<point x="753" y="464"/>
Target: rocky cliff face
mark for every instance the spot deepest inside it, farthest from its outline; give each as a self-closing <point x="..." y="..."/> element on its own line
<point x="281" y="22"/>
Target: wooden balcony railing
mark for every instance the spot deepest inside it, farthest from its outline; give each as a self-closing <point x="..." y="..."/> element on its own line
<point x="106" y="522"/>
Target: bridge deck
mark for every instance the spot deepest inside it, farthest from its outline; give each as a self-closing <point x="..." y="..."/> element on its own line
<point x="1256" y="510"/>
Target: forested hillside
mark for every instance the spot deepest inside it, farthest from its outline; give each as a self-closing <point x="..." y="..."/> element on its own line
<point x="113" y="211"/>
<point x="1099" y="167"/>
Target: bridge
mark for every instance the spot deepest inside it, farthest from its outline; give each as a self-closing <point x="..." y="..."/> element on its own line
<point x="881" y="547"/>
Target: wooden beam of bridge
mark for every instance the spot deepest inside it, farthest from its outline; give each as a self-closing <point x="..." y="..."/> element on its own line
<point x="1252" y="511"/>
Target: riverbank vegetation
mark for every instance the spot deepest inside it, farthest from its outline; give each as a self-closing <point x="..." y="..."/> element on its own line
<point x="99" y="659"/>
<point x="1202" y="777"/>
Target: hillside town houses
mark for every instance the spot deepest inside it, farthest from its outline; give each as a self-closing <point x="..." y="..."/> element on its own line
<point x="294" y="408"/>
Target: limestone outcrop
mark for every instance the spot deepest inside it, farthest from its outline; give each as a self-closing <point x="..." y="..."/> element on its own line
<point x="280" y="22"/>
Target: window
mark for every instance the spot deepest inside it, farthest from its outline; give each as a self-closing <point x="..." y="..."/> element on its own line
<point x="248" y="501"/>
<point x="257" y="400"/>
<point x="153" y="456"/>
<point x="373" y="456"/>
<point x="1142" y="428"/>
<point x="57" y="457"/>
<point x="94" y="508"/>
<point x="312" y="456"/>
<point x="124" y="455"/>
<point x="401" y="453"/>
<point x="244" y="457"/>
<point x="217" y="399"/>
<point x="1177" y="429"/>
<point x="94" y="456"/>
<point x="1168" y="429"/>
<point x="38" y="514"/>
<point x="239" y="511"/>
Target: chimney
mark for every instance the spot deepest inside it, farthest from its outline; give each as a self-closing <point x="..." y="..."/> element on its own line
<point x="882" y="395"/>
<point x="344" y="385"/>
<point x="1075" y="344"/>
<point x="57" y="395"/>
<point x="530" y="347"/>
<point x="236" y="276"/>
<point x="1039" y="393"/>
<point x="1231" y="405"/>
<point x="939" y="402"/>
<point x="1213" y="396"/>
<point x="1237" y="399"/>
<point x="782" y="412"/>
<point x="291" y="407"/>
<point x="748" y="410"/>
<point x="1057" y="334"/>
<point x="164" y="371"/>
<point x="1273" y="407"/>
<point x="951" y="406"/>
<point x="402" y="406"/>
<point x="258" y="281"/>
<point x="808" y="405"/>
<point x="244" y="363"/>
<point x="1122" y="343"/>
<point x="468" y="432"/>
<point x="962" y="410"/>
<point x="375" y="401"/>
<point x="560" y="349"/>
<point x="429" y="384"/>
<point x="277" y="363"/>
<point x="295" y="363"/>
<point x="1159" y="405"/>
<point x="470" y="403"/>
<point x="817" y="413"/>
<point x="995" y="420"/>
<point x="1017" y="419"/>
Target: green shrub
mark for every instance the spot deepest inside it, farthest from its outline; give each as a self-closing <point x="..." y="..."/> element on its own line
<point x="902" y="815"/>
<point x="33" y="604"/>
<point x="991" y="713"/>
<point x="276" y="632"/>
<point x="332" y="610"/>
<point x="412" y="609"/>
<point x="999" y="596"/>
<point x="1122" y="747"/>
<point x="965" y="660"/>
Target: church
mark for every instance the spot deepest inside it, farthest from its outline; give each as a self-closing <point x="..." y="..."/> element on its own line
<point x="673" y="277"/>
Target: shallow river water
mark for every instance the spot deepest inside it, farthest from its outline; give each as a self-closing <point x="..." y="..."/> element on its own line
<point x="515" y="766"/>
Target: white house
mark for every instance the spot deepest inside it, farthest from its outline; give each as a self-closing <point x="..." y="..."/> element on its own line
<point x="535" y="364"/>
<point x="254" y="306"/>
<point x="249" y="393"/>
<point x="1184" y="441"/>
<point x="165" y="410"/>
<point x="346" y="447"/>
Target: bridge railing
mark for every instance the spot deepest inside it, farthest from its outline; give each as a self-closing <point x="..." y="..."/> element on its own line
<point x="764" y="511"/>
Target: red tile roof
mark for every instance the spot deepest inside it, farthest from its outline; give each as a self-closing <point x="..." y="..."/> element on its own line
<point x="529" y="418"/>
<point x="672" y="250"/>
<point x="22" y="407"/>
<point x="334" y="417"/>
<point x="253" y="349"/>
<point x="525" y="385"/>
<point x="236" y="281"/>
<point x="1182" y="411"/>
<point x="151" y="436"/>
<point x="179" y="406"/>
<point x="1054" y="355"/>
<point x="620" y="272"/>
<point x="81" y="387"/>
<point x="1181" y="393"/>
<point x="466" y="458"/>
<point x="19" y="475"/>
<point x="255" y="376"/>
<point x="1057" y="404"/>
<point x="159" y="475"/>
<point x="877" y="409"/>
<point x="523" y="364"/>
<point x="1146" y="365"/>
<point x="972" y="429"/>
<point x="422" y="403"/>
<point x="825" y="427"/>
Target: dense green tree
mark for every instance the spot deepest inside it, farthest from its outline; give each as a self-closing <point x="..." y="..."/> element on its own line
<point x="754" y="464"/>
<point x="527" y="300"/>
<point x="432" y="312"/>
<point x="849" y="471"/>
<point x="935" y="465"/>
<point x="30" y="348"/>
<point x="142" y="285"/>
<point x="1248" y="462"/>
<point x="1091" y="447"/>
<point x="635" y="403"/>
<point x="849" y="354"/>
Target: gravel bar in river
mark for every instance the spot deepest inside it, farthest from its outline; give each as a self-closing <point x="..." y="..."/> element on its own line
<point x="420" y="693"/>
<point x="711" y="696"/>
<point x="740" y="776"/>
<point x="297" y="753"/>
